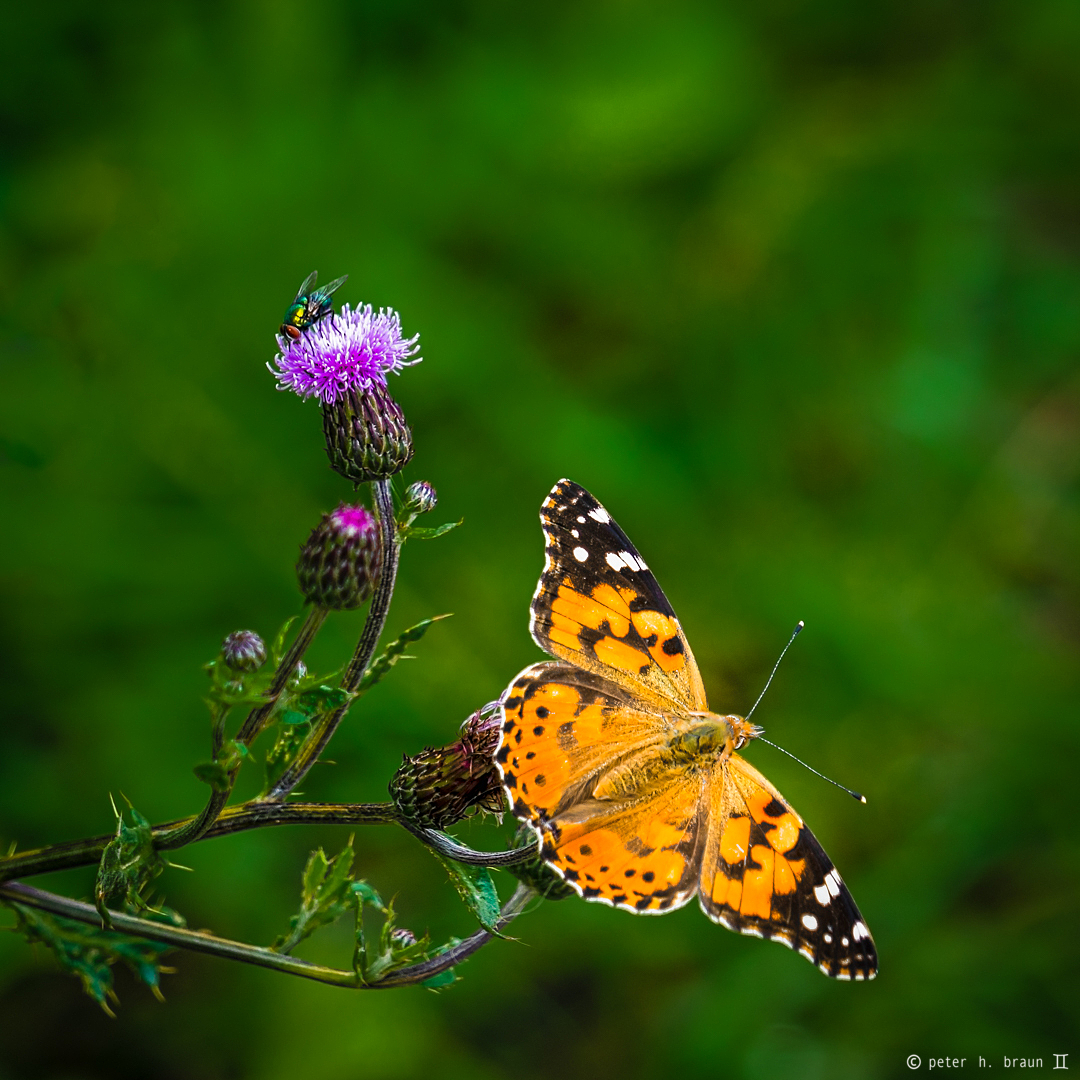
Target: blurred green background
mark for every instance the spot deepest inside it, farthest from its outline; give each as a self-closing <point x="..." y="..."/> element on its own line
<point x="792" y="287"/>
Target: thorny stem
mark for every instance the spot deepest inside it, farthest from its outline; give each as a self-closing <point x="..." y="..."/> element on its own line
<point x="198" y="941"/>
<point x="365" y="647"/>
<point x="259" y="814"/>
<point x="198" y="827"/>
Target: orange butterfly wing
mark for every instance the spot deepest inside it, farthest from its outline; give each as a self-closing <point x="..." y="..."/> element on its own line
<point x="763" y="873"/>
<point x="569" y="734"/>
<point x="598" y="605"/>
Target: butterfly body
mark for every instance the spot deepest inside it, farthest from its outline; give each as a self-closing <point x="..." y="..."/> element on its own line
<point x="633" y="787"/>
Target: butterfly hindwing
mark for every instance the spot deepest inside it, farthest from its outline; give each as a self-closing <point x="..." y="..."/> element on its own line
<point x="598" y="605"/>
<point x="764" y="874"/>
<point x="562" y="728"/>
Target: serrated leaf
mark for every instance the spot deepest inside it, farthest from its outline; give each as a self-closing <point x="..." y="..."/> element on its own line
<point x="279" y="757"/>
<point x="327" y="894"/>
<point x="88" y="952"/>
<point x="277" y="649"/>
<point x="393" y="652"/>
<point x="128" y="863"/>
<point x="475" y="887"/>
<point x="416" y="532"/>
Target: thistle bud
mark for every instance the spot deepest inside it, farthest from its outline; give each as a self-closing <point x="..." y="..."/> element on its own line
<point x="437" y="788"/>
<point x="341" y="560"/>
<point x="367" y="437"/>
<point x="420" y="498"/>
<point x="243" y="650"/>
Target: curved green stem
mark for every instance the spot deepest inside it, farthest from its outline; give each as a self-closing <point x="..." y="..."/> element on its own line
<point x="365" y="647"/>
<point x="198" y="827"/>
<point x="256" y="814"/>
<point x="200" y="941"/>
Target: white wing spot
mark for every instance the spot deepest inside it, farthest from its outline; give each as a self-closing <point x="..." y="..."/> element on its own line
<point x="821" y="894"/>
<point x="600" y="514"/>
<point x="828" y="939"/>
<point x="859" y="931"/>
<point x="751" y="931"/>
<point x="575" y="534"/>
<point x="580" y="554"/>
<point x="614" y="561"/>
<point x="580" y="520"/>
<point x="844" y="941"/>
<point x="810" y="922"/>
<point x="807" y="952"/>
<point x="832" y="879"/>
<point x="631" y="562"/>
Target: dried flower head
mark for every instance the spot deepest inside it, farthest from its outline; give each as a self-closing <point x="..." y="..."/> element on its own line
<point x="437" y="788"/>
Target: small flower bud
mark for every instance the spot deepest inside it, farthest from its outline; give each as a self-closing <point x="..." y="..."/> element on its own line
<point x="401" y="938"/>
<point x="420" y="497"/>
<point x="243" y="650"/>
<point x="367" y="437"/>
<point x="341" y="559"/>
<point x="439" y="787"/>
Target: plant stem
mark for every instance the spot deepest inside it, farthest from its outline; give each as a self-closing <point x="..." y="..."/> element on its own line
<point x="453" y="956"/>
<point x="256" y="814"/>
<point x="198" y="827"/>
<point x="256" y="719"/>
<point x="260" y="814"/>
<point x="199" y="941"/>
<point x="365" y="647"/>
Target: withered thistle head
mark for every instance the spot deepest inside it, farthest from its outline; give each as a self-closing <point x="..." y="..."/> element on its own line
<point x="341" y="559"/>
<point x="437" y="788"/>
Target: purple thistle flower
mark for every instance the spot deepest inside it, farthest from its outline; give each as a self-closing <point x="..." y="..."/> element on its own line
<point x="354" y="349"/>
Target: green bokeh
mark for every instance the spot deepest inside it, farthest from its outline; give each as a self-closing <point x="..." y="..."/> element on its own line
<point x="793" y="288"/>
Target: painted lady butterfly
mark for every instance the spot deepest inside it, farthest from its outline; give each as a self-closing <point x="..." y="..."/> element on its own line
<point x="632" y="786"/>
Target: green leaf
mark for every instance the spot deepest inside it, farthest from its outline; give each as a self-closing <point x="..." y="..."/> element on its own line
<point x="416" y="532"/>
<point x="128" y="863"/>
<point x="327" y="895"/>
<point x="279" y="757"/>
<point x="475" y="887"/>
<point x="393" y="652"/>
<point x="213" y="773"/>
<point x="89" y="952"/>
<point x="277" y="649"/>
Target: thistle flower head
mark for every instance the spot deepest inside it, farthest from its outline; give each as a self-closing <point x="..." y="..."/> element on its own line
<point x="352" y="350"/>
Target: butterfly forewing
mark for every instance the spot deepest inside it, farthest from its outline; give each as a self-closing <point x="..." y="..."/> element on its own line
<point x="599" y="606"/>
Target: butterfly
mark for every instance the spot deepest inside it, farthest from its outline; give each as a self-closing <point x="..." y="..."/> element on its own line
<point x="632" y="787"/>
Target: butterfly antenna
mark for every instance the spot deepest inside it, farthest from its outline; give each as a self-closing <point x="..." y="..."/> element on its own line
<point x="854" y="794"/>
<point x="794" y="634"/>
